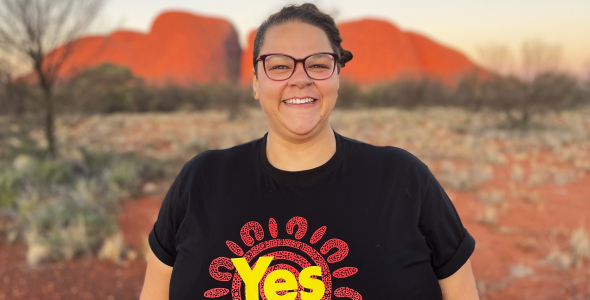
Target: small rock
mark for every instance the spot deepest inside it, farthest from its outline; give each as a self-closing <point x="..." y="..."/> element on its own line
<point x="131" y="254"/>
<point x="149" y="188"/>
<point x="528" y="245"/>
<point x="22" y="162"/>
<point x="37" y="253"/>
<point x="112" y="248"/>
<point x="520" y="270"/>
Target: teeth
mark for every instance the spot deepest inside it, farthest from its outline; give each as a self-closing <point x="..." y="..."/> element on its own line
<point x="299" y="101"/>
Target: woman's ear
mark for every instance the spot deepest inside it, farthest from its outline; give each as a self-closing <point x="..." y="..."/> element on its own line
<point x="255" y="85"/>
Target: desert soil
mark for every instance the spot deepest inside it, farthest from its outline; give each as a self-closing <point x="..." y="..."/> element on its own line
<point x="540" y="182"/>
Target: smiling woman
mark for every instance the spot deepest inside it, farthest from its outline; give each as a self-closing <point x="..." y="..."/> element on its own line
<point x="286" y="121"/>
<point x="235" y="221"/>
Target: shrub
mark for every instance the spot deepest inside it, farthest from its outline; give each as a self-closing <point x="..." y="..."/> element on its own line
<point x="518" y="99"/>
<point x="9" y="182"/>
<point x="109" y="88"/>
<point x="350" y="96"/>
<point x="18" y="97"/>
<point x="68" y="207"/>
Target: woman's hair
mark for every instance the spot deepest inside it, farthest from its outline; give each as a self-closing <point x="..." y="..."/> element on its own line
<point x="307" y="13"/>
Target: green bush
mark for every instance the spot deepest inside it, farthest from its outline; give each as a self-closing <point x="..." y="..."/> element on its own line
<point x="9" y="182"/>
<point x="68" y="207"/>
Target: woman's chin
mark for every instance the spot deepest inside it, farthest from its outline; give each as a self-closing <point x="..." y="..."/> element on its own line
<point x="302" y="128"/>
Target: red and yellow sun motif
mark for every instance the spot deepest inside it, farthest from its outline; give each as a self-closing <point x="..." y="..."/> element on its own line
<point x="289" y="256"/>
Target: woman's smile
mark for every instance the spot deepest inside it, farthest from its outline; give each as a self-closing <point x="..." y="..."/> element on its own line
<point x="300" y="102"/>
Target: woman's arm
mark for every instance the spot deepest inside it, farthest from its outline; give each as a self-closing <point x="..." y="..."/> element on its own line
<point x="157" y="279"/>
<point x="460" y="285"/>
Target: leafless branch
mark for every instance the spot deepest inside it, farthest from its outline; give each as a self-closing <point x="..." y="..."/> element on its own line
<point x="44" y="31"/>
<point x="36" y="27"/>
<point x="497" y="57"/>
<point x="539" y="57"/>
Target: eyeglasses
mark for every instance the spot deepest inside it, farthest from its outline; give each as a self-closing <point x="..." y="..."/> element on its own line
<point x="280" y="66"/>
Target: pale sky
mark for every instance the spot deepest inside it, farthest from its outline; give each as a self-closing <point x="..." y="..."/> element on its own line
<point x="464" y="25"/>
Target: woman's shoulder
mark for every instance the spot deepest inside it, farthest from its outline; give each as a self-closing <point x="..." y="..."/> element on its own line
<point x="389" y="152"/>
<point x="385" y="156"/>
<point x="213" y="159"/>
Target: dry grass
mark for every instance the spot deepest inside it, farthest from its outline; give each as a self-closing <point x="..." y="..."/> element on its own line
<point x="432" y="134"/>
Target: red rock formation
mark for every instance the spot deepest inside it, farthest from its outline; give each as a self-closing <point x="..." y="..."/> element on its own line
<point x="383" y="52"/>
<point x="246" y="62"/>
<point x="380" y="52"/>
<point x="183" y="48"/>
<point x="180" y="48"/>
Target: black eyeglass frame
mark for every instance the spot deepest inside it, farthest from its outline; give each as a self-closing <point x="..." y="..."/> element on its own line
<point x="262" y="58"/>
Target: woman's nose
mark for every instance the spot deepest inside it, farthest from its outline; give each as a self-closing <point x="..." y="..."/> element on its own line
<point x="299" y="77"/>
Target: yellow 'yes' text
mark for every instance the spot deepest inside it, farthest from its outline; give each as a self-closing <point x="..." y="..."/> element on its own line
<point x="252" y="277"/>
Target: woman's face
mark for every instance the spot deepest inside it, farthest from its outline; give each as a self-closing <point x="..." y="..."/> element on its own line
<point x="291" y="120"/>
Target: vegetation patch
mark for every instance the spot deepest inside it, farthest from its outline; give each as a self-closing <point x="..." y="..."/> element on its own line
<point x="65" y="207"/>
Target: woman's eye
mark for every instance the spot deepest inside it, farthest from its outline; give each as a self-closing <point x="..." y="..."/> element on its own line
<point x="278" y="67"/>
<point x="320" y="66"/>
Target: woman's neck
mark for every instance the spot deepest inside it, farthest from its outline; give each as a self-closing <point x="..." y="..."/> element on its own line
<point x="297" y="156"/>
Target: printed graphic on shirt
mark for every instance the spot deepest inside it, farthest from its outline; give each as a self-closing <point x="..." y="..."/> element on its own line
<point x="282" y="281"/>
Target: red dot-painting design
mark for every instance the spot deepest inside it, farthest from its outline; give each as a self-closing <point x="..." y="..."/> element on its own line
<point x="251" y="226"/>
<point x="233" y="247"/>
<point x="216" y="292"/>
<point x="315" y="256"/>
<point x="221" y="262"/>
<point x="301" y="227"/>
<point x="317" y="235"/>
<point x="338" y="244"/>
<point x="272" y="227"/>
<point x="301" y="256"/>
<point x="344" y="272"/>
<point x="348" y="293"/>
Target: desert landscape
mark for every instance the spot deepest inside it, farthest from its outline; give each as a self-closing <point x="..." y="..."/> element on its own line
<point x="95" y="126"/>
<point x="523" y="195"/>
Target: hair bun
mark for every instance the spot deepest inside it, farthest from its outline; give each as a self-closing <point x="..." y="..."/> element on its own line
<point x="345" y="57"/>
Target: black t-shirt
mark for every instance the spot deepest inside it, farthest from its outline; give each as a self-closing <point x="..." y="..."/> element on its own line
<point x="370" y="223"/>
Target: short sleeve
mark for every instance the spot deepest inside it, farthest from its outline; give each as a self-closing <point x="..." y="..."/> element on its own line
<point x="441" y="226"/>
<point x="162" y="238"/>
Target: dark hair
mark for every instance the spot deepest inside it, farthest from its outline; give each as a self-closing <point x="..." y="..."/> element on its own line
<point x="307" y="13"/>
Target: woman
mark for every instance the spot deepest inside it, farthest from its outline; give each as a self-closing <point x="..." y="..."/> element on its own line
<point x="304" y="212"/>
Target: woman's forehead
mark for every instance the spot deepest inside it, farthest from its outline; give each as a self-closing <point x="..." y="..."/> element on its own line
<point x="295" y="38"/>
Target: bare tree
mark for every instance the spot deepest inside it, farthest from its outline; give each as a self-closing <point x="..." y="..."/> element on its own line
<point x="32" y="29"/>
<point x="539" y="57"/>
<point x="534" y="85"/>
<point x="497" y="57"/>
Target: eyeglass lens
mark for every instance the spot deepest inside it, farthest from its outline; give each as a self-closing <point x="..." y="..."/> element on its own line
<point x="280" y="67"/>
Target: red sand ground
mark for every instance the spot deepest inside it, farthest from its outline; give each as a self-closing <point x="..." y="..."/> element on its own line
<point x="523" y="235"/>
<point x="82" y="278"/>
